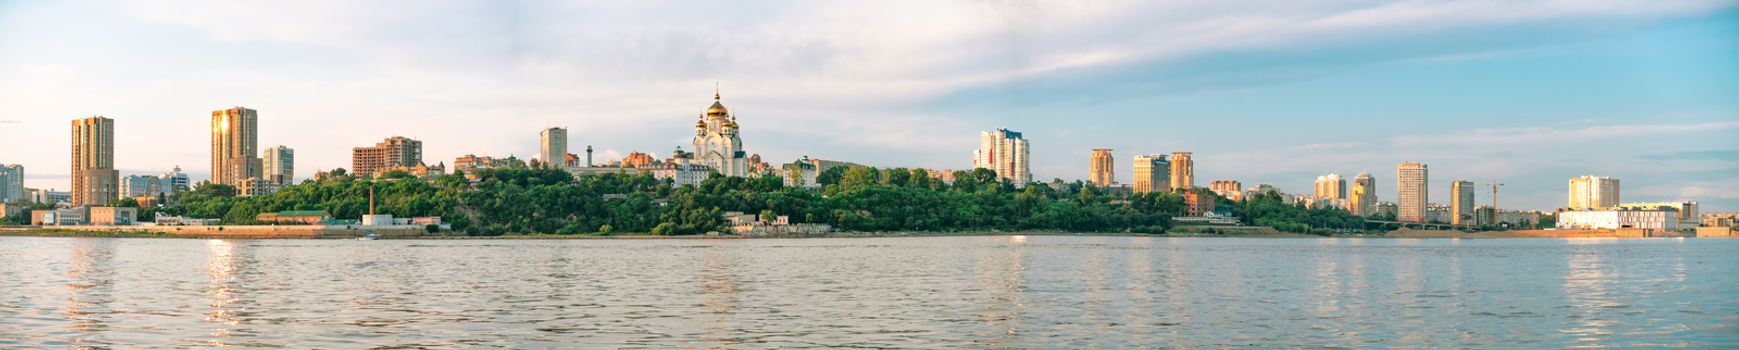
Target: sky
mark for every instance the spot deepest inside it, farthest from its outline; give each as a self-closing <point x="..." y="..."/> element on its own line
<point x="1529" y="93"/>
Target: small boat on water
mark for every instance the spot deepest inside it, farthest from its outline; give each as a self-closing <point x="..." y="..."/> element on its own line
<point x="368" y="236"/>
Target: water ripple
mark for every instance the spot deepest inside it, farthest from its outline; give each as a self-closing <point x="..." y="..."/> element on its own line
<point x="942" y="292"/>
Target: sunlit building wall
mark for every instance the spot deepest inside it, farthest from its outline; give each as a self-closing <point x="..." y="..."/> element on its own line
<point x="1183" y="171"/>
<point x="94" y="179"/>
<point x="234" y="139"/>
<point x="1461" y="205"/>
<point x="1659" y="219"/>
<point x="1412" y="192"/>
<point x="1152" y="173"/>
<point x="1362" y="197"/>
<point x="552" y="145"/>
<point x="1593" y="192"/>
<point x="278" y="165"/>
<point x="1331" y="186"/>
<point x="396" y="151"/>
<point x="1004" y="152"/>
<point x="1102" y="169"/>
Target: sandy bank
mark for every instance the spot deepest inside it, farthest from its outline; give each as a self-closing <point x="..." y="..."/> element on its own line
<point x="1623" y="233"/>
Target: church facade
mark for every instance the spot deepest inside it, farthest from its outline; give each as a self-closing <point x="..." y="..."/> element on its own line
<point x="716" y="143"/>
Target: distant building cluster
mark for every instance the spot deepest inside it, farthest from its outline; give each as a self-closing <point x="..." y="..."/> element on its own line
<point x="1152" y="172"/>
<point x="1412" y="206"/>
<point x="1594" y="203"/>
<point x="716" y="149"/>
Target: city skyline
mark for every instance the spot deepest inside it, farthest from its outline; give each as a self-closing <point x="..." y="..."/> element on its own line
<point x="1653" y="111"/>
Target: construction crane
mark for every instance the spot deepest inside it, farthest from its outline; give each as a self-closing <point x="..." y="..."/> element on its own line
<point x="1494" y="186"/>
<point x="1496" y="218"/>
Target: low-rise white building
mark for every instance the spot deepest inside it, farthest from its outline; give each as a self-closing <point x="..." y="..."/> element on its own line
<point x="806" y="172"/>
<point x="1437" y="213"/>
<point x="1618" y="218"/>
<point x="1688" y="217"/>
<point x="684" y="173"/>
<point x="752" y="225"/>
<point x="1519" y="218"/>
<point x="171" y="220"/>
<point x="49" y="196"/>
<point x="680" y="169"/>
<point x="1259" y="189"/>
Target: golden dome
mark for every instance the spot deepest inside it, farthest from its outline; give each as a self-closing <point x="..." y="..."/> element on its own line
<point x="700" y="124"/>
<point x="717" y="108"/>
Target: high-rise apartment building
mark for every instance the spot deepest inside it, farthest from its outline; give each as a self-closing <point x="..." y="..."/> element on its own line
<point x="234" y="142"/>
<point x="12" y="184"/>
<point x="94" y="179"/>
<point x="1413" y="195"/>
<point x="1183" y="171"/>
<point x="1102" y="173"/>
<point x="1152" y="173"/>
<point x="552" y="146"/>
<point x="1461" y="206"/>
<point x="278" y="165"/>
<point x="1362" y="198"/>
<point x="1593" y="192"/>
<point x="1004" y="152"/>
<point x="395" y="151"/>
<point x="1331" y="186"/>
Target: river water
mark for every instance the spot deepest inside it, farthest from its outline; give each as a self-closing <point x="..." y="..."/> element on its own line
<point x="934" y="292"/>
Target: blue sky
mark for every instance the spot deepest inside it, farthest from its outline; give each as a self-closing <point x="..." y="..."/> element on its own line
<point x="1527" y="92"/>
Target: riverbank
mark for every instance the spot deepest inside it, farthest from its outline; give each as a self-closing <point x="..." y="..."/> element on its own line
<point x="293" y="232"/>
<point x="352" y="234"/>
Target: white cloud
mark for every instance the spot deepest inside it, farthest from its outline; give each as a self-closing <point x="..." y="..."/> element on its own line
<point x="844" y="52"/>
<point x="1549" y="135"/>
<point x="1726" y="189"/>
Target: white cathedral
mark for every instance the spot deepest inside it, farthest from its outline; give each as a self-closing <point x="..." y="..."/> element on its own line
<point x="716" y="143"/>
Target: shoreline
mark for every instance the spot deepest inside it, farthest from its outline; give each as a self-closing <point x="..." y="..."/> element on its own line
<point x="1398" y="234"/>
<point x="68" y="233"/>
